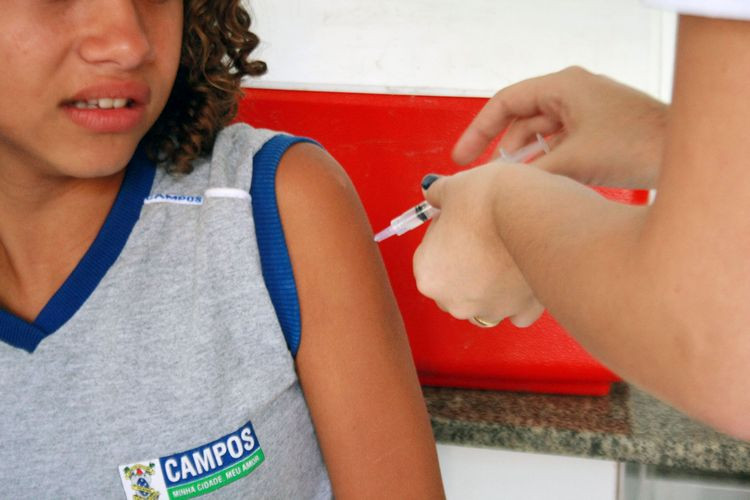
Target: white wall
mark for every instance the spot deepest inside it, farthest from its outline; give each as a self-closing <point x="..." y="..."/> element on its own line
<point x="458" y="47"/>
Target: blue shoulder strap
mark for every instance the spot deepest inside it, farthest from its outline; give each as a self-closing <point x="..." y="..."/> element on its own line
<point x="274" y="255"/>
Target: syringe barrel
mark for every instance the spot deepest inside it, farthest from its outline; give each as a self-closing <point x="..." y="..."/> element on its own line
<point x="413" y="217"/>
<point x="526" y="152"/>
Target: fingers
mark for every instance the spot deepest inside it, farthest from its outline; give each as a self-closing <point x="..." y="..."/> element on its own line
<point x="523" y="131"/>
<point x="481" y="322"/>
<point x="521" y="319"/>
<point x="528" y="316"/>
<point x="432" y="189"/>
<point x="521" y="100"/>
<point x="482" y="284"/>
<point x="524" y="316"/>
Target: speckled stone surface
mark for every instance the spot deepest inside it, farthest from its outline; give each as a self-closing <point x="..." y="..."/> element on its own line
<point x="627" y="425"/>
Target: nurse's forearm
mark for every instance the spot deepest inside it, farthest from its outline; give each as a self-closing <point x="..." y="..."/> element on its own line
<point x="577" y="251"/>
<point x="588" y="262"/>
<point x="660" y="294"/>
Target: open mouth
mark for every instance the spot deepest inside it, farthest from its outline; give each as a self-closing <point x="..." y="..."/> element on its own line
<point x="109" y="106"/>
<point x="103" y="103"/>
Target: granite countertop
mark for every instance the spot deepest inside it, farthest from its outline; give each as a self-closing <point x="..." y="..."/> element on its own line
<point x="627" y="425"/>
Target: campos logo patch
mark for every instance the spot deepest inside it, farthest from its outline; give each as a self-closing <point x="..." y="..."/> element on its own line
<point x="194" y="472"/>
<point x="180" y="199"/>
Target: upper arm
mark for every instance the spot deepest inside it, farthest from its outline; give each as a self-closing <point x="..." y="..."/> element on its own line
<point x="354" y="361"/>
<point x="697" y="237"/>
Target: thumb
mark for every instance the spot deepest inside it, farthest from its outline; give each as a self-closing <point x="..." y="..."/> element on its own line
<point x="432" y="189"/>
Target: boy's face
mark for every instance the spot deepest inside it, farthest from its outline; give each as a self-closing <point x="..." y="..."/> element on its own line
<point x="82" y="81"/>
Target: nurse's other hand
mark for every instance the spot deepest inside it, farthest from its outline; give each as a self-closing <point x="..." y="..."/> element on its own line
<point x="602" y="132"/>
<point x="462" y="263"/>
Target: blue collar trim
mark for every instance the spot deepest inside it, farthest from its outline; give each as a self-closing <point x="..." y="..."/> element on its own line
<point x="84" y="279"/>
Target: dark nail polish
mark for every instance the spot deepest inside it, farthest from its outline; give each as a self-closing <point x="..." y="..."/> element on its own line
<point x="427" y="181"/>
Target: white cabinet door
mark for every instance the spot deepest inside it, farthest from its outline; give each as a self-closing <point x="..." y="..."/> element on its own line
<point x="481" y="474"/>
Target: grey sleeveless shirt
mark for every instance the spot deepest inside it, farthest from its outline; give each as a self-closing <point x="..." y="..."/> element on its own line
<point x="159" y="369"/>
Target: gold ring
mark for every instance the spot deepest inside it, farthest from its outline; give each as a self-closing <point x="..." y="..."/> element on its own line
<point x="484" y="323"/>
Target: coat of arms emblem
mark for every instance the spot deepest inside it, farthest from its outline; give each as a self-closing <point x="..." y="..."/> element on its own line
<point x="140" y="480"/>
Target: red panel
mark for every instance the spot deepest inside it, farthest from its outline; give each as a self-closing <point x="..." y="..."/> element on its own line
<point x="387" y="143"/>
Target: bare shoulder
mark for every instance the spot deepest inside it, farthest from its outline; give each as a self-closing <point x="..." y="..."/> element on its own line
<point x="328" y="236"/>
<point x="309" y="178"/>
<point x="321" y="212"/>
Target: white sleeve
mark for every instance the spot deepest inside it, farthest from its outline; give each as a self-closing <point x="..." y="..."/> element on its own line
<point x="728" y="9"/>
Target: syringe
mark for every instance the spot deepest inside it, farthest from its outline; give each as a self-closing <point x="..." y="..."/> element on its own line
<point x="421" y="213"/>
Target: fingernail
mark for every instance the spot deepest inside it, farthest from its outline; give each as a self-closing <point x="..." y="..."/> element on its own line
<point x="427" y="181"/>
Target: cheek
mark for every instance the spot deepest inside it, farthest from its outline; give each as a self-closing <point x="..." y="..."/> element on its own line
<point x="168" y="44"/>
<point x="166" y="30"/>
<point x="17" y="51"/>
<point x="27" y="73"/>
<point x="173" y="45"/>
<point x="34" y="32"/>
<point x="163" y="73"/>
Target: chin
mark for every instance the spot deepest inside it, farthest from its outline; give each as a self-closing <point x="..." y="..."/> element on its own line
<point x="99" y="169"/>
<point x="100" y="162"/>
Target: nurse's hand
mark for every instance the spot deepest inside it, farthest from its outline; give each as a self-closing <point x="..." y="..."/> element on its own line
<point x="602" y="133"/>
<point x="462" y="263"/>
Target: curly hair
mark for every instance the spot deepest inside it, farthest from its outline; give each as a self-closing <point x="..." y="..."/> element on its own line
<point x="216" y="46"/>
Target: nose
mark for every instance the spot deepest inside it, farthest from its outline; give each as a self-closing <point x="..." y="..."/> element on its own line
<point x="115" y="34"/>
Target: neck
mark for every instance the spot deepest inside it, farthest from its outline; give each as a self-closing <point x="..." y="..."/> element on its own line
<point x="46" y="226"/>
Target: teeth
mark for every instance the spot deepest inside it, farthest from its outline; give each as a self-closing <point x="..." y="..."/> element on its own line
<point x="102" y="103"/>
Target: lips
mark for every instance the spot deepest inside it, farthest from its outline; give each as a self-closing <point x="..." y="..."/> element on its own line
<point x="109" y="107"/>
